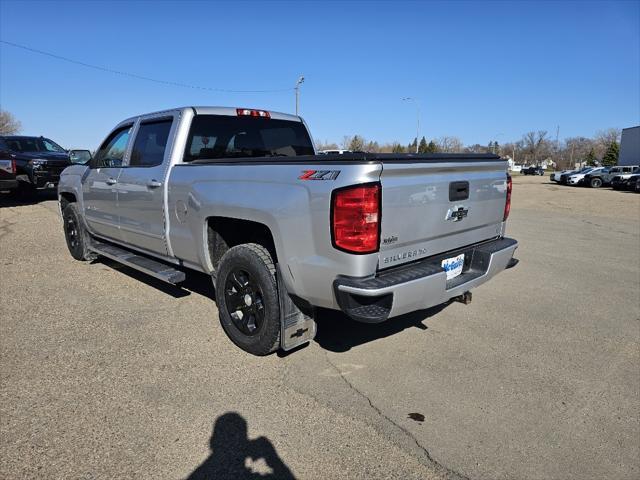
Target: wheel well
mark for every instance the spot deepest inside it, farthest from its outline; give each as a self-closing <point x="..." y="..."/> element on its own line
<point x="224" y="233"/>
<point x="65" y="199"/>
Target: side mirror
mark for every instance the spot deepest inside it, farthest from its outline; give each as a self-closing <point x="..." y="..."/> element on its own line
<point x="81" y="157"/>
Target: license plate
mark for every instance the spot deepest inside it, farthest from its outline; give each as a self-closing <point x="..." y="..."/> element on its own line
<point x="453" y="266"/>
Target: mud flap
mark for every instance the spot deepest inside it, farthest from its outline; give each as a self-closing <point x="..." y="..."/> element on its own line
<point x="296" y="328"/>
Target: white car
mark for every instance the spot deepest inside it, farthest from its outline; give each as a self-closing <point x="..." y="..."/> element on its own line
<point x="578" y="177"/>
<point x="555" y="176"/>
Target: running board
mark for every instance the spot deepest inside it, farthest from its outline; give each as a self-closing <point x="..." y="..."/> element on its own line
<point x="156" y="269"/>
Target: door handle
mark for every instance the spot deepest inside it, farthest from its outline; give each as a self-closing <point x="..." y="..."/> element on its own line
<point x="111" y="181"/>
<point x="154" y="184"/>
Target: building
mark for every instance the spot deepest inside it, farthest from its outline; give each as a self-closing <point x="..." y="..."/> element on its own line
<point x="630" y="146"/>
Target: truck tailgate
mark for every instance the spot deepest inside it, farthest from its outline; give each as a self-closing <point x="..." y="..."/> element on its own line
<point x="433" y="207"/>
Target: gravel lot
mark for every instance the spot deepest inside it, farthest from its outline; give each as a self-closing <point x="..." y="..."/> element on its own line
<point x="106" y="373"/>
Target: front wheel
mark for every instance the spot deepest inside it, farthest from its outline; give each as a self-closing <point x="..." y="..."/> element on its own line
<point x="247" y="298"/>
<point x="596" y="182"/>
<point x="75" y="234"/>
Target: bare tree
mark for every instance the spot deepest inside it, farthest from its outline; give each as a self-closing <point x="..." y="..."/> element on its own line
<point x="346" y="141"/>
<point x="449" y="144"/>
<point x="325" y="145"/>
<point x="8" y="123"/>
<point x="604" y="138"/>
<point x="534" y="143"/>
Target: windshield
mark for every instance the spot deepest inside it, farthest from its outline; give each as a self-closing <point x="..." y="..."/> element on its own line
<point x="33" y="144"/>
<point x="223" y="136"/>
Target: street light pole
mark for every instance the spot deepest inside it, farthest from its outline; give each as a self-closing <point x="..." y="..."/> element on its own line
<point x="297" y="89"/>
<point x="411" y="99"/>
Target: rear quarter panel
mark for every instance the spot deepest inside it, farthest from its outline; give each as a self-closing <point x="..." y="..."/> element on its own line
<point x="297" y="212"/>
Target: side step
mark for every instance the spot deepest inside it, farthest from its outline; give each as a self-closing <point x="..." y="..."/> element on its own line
<point x="156" y="269"/>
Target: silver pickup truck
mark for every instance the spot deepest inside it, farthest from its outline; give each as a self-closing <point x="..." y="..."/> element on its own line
<point x="240" y="194"/>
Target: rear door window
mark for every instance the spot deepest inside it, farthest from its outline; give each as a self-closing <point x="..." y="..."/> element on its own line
<point x="150" y="144"/>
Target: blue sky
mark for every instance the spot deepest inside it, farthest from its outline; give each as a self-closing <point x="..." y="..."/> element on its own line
<point x="481" y="70"/>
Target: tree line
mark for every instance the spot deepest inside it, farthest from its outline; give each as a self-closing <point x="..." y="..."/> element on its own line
<point x="533" y="148"/>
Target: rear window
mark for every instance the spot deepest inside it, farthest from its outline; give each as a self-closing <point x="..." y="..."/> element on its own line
<point x="223" y="136"/>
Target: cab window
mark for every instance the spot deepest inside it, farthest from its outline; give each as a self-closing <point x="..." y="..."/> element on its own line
<point x="111" y="152"/>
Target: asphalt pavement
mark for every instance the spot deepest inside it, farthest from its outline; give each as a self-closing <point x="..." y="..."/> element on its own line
<point x="106" y="373"/>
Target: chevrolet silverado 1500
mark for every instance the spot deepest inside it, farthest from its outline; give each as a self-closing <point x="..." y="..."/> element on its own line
<point x="240" y="194"/>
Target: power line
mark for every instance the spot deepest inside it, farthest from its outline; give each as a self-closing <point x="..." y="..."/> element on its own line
<point x="139" y="77"/>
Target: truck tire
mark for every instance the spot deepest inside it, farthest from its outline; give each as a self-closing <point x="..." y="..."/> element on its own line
<point x="596" y="182"/>
<point x="75" y="234"/>
<point x="247" y="298"/>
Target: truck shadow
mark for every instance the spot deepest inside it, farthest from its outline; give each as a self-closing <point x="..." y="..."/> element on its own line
<point x="233" y="456"/>
<point x="15" y="200"/>
<point x="339" y="333"/>
<point x="195" y="282"/>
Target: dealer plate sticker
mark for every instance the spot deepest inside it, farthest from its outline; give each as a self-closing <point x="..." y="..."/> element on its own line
<point x="453" y="266"/>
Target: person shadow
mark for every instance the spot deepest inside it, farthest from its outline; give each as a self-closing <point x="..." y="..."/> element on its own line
<point x="234" y="456"/>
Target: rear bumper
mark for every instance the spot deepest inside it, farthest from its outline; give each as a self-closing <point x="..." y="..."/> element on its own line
<point x="421" y="284"/>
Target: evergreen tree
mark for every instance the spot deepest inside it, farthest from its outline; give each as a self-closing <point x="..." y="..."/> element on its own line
<point x="432" y="147"/>
<point x="411" y="148"/>
<point x="591" y="158"/>
<point x="397" y="148"/>
<point x="490" y="147"/>
<point x="422" y="148"/>
<point x="611" y="155"/>
<point x="356" y="144"/>
<point x="496" y="148"/>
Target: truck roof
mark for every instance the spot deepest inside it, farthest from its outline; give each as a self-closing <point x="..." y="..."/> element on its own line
<point x="210" y="110"/>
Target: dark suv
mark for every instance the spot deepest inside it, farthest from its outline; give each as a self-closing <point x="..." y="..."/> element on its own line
<point x="533" y="171"/>
<point x="37" y="161"/>
<point x="603" y="178"/>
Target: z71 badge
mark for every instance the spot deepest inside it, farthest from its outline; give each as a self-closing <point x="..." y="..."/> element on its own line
<point x="319" y="175"/>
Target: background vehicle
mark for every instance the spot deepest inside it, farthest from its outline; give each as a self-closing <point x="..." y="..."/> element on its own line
<point x="555" y="176"/>
<point x="619" y="182"/>
<point x="334" y="152"/>
<point x="633" y="184"/>
<point x="241" y="195"/>
<point x="578" y="178"/>
<point x="602" y="178"/>
<point x="7" y="172"/>
<point x="38" y="161"/>
<point x="532" y="171"/>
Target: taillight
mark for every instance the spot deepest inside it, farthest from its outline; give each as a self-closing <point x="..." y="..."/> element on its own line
<point x="13" y="166"/>
<point x="507" y="205"/>
<point x="248" y="112"/>
<point x="355" y="218"/>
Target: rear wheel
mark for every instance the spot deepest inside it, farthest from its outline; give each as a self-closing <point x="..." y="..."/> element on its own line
<point x="596" y="182"/>
<point x="75" y="234"/>
<point x="247" y="298"/>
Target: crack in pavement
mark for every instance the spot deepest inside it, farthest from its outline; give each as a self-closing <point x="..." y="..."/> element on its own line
<point x="438" y="467"/>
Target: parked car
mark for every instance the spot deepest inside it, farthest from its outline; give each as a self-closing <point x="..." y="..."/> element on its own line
<point x="633" y="184"/>
<point x="282" y="230"/>
<point x="578" y="178"/>
<point x="619" y="182"/>
<point x="532" y="171"/>
<point x="516" y="168"/>
<point x="555" y="176"/>
<point x="600" y="179"/>
<point x="8" y="180"/>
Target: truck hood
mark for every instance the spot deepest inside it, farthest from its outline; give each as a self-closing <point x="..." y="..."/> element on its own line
<point x="52" y="158"/>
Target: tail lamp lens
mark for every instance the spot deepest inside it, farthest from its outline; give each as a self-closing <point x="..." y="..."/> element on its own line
<point x="356" y="219"/>
<point x="507" y="205"/>
<point x="13" y="166"/>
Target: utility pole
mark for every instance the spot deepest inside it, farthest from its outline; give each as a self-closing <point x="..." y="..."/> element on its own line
<point x="297" y="89"/>
<point x="410" y="99"/>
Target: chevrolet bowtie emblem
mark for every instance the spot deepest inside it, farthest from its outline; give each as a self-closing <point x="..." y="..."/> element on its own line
<point x="457" y="213"/>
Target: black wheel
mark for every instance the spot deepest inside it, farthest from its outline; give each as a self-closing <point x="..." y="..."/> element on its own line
<point x="596" y="182"/>
<point x="247" y="298"/>
<point x="75" y="234"/>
